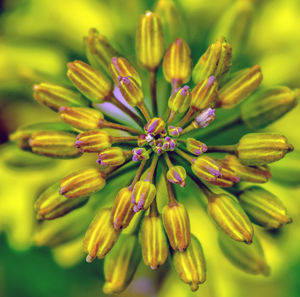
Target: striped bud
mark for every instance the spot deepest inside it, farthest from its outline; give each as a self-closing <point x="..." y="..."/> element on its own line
<point x="177" y="62"/>
<point x="204" y="94"/>
<point x="93" y="141"/>
<point x="54" y="144"/>
<point x="112" y="156"/>
<point x="90" y="82"/>
<point x="169" y="144"/>
<point x="205" y="117"/>
<point x="230" y="217"/>
<point x="51" y="205"/>
<point x="150" y="41"/>
<point x="195" y="147"/>
<point x="98" y="50"/>
<point x="177" y="226"/>
<point x="174" y="131"/>
<point x="180" y="100"/>
<point x="82" y="183"/>
<point x="239" y="87"/>
<point x="254" y="174"/>
<point x="140" y="154"/>
<point x="206" y="168"/>
<point x="142" y="140"/>
<point x="83" y="118"/>
<point x="215" y="61"/>
<point x="249" y="258"/>
<point x="262" y="148"/>
<point x="268" y="106"/>
<point x="177" y="175"/>
<point x="55" y="96"/>
<point x="122" y="211"/>
<point x="142" y="195"/>
<point x="131" y="90"/>
<point x="121" y="263"/>
<point x="100" y="236"/>
<point x="190" y="264"/>
<point x="227" y="178"/>
<point x="155" y="126"/>
<point x="119" y="66"/>
<point x="264" y="208"/>
<point x="154" y="242"/>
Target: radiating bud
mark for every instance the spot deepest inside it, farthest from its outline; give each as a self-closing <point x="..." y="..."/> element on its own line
<point x="51" y="205"/>
<point x="174" y="131"/>
<point x="239" y="87"/>
<point x="205" y="117"/>
<point x="262" y="148"/>
<point x="254" y="174"/>
<point x="83" y="118"/>
<point x="177" y="175"/>
<point x="142" y="195"/>
<point x="268" y="106"/>
<point x="112" y="156"/>
<point x="206" y="168"/>
<point x="90" y="82"/>
<point x="140" y="154"/>
<point x="54" y="144"/>
<point x="82" y="183"/>
<point x="55" y="96"/>
<point x="131" y="90"/>
<point x="155" y="126"/>
<point x="122" y="211"/>
<point x="190" y="264"/>
<point x="150" y="41"/>
<point x="204" y="94"/>
<point x="195" y="147"/>
<point x="264" y="208"/>
<point x="98" y="50"/>
<point x="180" y="100"/>
<point x="121" y="263"/>
<point x="154" y="242"/>
<point x="227" y="178"/>
<point x="177" y="62"/>
<point x="119" y="66"/>
<point x="169" y="144"/>
<point x="215" y="61"/>
<point x="100" y="236"/>
<point x="249" y="258"/>
<point x="142" y="140"/>
<point x="177" y="225"/>
<point x="230" y="217"/>
<point x="93" y="141"/>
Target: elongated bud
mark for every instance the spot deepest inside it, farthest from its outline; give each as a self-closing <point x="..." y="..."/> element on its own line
<point x="190" y="264"/>
<point x="93" y="141"/>
<point x="240" y="86"/>
<point x="122" y="211"/>
<point x="177" y="175"/>
<point x="206" y="168"/>
<point x="90" y="82"/>
<point x="82" y="183"/>
<point x="264" y="208"/>
<point x="230" y="217"/>
<point x="54" y="144"/>
<point x="268" y="106"/>
<point x="205" y="117"/>
<point x="227" y="178"/>
<point x="195" y="147"/>
<point x="55" y="96"/>
<point x="215" y="61"/>
<point x="177" y="62"/>
<point x="98" y="50"/>
<point x="121" y="263"/>
<point x="100" y="236"/>
<point x="140" y="154"/>
<point x="204" y="94"/>
<point x="119" y="66"/>
<point x="180" y="100"/>
<point x="177" y="225"/>
<point x="142" y="195"/>
<point x="83" y="118"/>
<point x="154" y="242"/>
<point x="155" y="126"/>
<point x="131" y="90"/>
<point x="254" y="174"/>
<point x="150" y="41"/>
<point x="51" y="205"/>
<point x="249" y="258"/>
<point x="262" y="148"/>
<point x="174" y="131"/>
<point x="112" y="156"/>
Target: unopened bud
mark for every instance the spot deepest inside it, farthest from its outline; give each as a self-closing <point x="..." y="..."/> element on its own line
<point x="140" y="154"/>
<point x="142" y="195"/>
<point x="206" y="168"/>
<point x="155" y="126"/>
<point x="205" y="117"/>
<point x="112" y="156"/>
<point x="174" y="131"/>
<point x="227" y="178"/>
<point x="177" y="175"/>
<point x="82" y="183"/>
<point x="195" y="147"/>
<point x="180" y="100"/>
<point x="131" y="90"/>
<point x="169" y="144"/>
<point x="142" y="140"/>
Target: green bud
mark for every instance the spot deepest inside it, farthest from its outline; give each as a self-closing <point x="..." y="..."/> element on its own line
<point x="131" y="90"/>
<point x="93" y="141"/>
<point x="142" y="195"/>
<point x="180" y="100"/>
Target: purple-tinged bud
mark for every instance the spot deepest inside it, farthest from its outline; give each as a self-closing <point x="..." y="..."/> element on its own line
<point x="142" y="195"/>
<point x="142" y="140"/>
<point x="195" y="147"/>
<point x="131" y="90"/>
<point x="155" y="126"/>
<point x="174" y="131"/>
<point x="112" y="156"/>
<point x="140" y="154"/>
<point x="93" y="141"/>
<point x="169" y="144"/>
<point x="206" y="168"/>
<point x="205" y="117"/>
<point x="180" y="100"/>
<point x="177" y="175"/>
<point x="227" y="178"/>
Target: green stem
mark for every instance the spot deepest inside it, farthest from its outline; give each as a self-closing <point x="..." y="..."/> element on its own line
<point x="106" y="124"/>
<point x="152" y="169"/>
<point x="221" y="149"/>
<point x="184" y="155"/>
<point x="138" y="175"/>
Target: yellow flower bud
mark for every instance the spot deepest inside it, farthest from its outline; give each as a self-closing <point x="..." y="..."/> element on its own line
<point x="206" y="168"/>
<point x="177" y="175"/>
<point x="112" y="156"/>
<point x="155" y="126"/>
<point x="180" y="100"/>
<point x="195" y="147"/>
<point x="142" y="195"/>
<point x="131" y="90"/>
